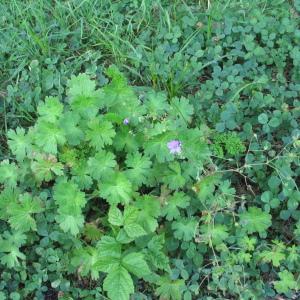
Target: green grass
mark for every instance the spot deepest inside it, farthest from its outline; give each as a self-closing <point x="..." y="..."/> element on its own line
<point x="38" y="29"/>
<point x="70" y="30"/>
<point x="68" y="37"/>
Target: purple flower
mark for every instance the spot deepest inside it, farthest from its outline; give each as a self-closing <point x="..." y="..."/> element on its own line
<point x="174" y="146"/>
<point x="126" y="121"/>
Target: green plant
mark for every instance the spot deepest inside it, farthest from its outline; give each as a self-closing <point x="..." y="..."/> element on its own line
<point x="230" y="143"/>
<point x="219" y="225"/>
<point x="101" y="148"/>
<point x="104" y="169"/>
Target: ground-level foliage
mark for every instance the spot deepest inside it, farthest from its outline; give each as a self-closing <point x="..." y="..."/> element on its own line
<point x="182" y="183"/>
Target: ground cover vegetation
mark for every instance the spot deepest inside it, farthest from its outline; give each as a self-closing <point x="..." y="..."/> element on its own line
<point x="149" y="149"/>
